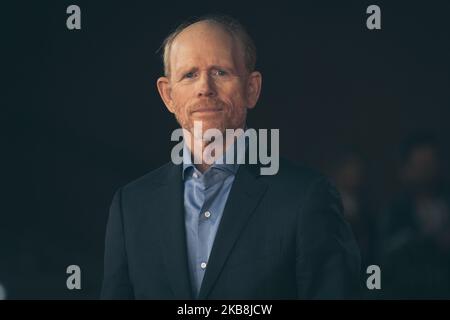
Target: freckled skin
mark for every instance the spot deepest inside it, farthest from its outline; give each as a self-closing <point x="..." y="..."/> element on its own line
<point x="208" y="80"/>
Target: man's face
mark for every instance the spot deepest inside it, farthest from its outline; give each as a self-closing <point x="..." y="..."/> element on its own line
<point x="422" y="169"/>
<point x="208" y="81"/>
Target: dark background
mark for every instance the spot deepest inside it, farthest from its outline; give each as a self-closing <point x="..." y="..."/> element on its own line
<point x="83" y="116"/>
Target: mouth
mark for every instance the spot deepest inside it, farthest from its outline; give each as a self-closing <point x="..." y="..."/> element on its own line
<point x="207" y="110"/>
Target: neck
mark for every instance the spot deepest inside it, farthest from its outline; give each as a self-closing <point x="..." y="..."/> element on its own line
<point x="203" y="160"/>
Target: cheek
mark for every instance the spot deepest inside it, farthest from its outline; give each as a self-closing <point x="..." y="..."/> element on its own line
<point x="237" y="111"/>
<point x="234" y="95"/>
<point x="239" y="106"/>
<point x="179" y="99"/>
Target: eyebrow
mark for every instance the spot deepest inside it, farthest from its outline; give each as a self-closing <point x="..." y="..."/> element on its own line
<point x="215" y="66"/>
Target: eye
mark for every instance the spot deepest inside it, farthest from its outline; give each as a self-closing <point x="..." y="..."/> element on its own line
<point x="220" y="73"/>
<point x="189" y="75"/>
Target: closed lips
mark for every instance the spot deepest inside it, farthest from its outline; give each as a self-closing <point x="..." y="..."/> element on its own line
<point x="206" y="109"/>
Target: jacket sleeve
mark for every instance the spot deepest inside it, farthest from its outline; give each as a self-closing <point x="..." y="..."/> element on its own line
<point x="116" y="281"/>
<point x="327" y="256"/>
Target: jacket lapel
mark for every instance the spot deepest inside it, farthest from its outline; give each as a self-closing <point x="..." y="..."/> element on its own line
<point x="244" y="196"/>
<point x="173" y="233"/>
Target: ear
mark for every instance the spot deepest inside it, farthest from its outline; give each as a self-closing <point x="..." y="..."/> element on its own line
<point x="164" y="90"/>
<point x="254" y="83"/>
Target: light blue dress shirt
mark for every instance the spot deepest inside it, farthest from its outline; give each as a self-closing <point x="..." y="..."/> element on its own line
<point x="205" y="196"/>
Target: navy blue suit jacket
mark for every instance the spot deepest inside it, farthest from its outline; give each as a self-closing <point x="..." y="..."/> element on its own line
<point x="280" y="237"/>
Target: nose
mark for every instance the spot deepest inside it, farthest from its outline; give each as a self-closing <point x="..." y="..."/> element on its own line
<point x="206" y="86"/>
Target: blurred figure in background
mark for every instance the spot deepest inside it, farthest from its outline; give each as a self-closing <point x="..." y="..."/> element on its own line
<point x="416" y="231"/>
<point x="350" y="177"/>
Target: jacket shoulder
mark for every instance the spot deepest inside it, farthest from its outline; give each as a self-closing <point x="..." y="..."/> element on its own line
<point x="297" y="173"/>
<point x="151" y="179"/>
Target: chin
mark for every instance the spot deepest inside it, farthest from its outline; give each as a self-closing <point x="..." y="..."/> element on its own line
<point x="210" y="124"/>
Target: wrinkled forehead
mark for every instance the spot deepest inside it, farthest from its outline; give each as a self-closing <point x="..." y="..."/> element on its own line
<point x="205" y="44"/>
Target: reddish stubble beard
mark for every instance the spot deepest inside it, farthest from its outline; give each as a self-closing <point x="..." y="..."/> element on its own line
<point x="224" y="116"/>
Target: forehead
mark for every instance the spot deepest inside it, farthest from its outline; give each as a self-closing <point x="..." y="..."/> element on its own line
<point x="203" y="44"/>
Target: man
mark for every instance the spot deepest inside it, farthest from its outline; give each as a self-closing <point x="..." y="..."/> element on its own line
<point x="416" y="225"/>
<point x="223" y="231"/>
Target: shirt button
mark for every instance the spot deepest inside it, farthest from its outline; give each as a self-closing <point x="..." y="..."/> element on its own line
<point x="207" y="214"/>
<point x="203" y="265"/>
<point x="195" y="175"/>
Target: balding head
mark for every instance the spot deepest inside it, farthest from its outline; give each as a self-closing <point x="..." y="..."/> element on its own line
<point x="216" y="25"/>
<point x="208" y="78"/>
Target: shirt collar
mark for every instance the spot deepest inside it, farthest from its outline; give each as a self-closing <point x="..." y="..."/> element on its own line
<point x="220" y="163"/>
